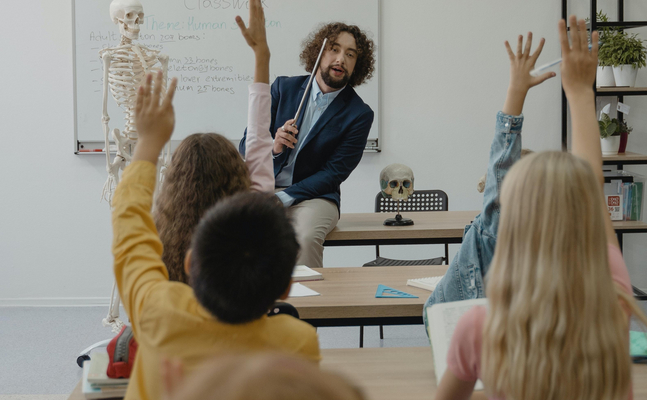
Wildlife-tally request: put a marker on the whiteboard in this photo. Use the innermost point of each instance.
(208, 55)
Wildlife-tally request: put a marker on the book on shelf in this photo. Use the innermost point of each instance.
(302, 273)
(442, 320)
(425, 283)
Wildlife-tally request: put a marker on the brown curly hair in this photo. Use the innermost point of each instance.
(365, 65)
(206, 167)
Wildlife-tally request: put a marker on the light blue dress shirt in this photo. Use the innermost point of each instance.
(317, 105)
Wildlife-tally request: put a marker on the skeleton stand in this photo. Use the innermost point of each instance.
(125, 66)
(398, 220)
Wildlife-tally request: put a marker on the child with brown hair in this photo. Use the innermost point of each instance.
(239, 264)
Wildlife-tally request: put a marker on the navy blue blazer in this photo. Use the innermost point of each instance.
(334, 146)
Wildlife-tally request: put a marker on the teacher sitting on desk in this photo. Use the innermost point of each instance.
(312, 159)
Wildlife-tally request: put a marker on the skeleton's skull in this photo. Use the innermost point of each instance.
(396, 181)
(128, 14)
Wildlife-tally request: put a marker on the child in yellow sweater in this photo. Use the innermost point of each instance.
(240, 261)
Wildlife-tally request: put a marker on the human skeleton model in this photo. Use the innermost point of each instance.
(124, 68)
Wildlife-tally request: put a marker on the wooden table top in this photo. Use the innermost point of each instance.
(350, 292)
(431, 224)
(399, 373)
(407, 373)
(427, 225)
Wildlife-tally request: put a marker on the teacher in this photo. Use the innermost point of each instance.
(314, 158)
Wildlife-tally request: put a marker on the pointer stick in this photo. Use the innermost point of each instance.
(305, 94)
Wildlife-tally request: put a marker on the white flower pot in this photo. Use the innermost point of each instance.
(625, 75)
(605, 77)
(610, 145)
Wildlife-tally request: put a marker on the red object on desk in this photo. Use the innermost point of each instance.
(122, 350)
(89, 150)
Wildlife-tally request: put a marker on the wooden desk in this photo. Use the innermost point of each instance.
(407, 373)
(348, 296)
(431, 227)
(399, 373)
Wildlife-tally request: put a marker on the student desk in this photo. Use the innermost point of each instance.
(407, 373)
(399, 373)
(348, 296)
(430, 227)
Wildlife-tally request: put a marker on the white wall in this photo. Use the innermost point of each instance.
(444, 74)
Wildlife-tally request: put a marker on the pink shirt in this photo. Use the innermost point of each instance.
(464, 356)
(259, 140)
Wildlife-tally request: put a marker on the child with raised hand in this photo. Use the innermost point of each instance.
(559, 293)
(206, 167)
(464, 278)
(240, 261)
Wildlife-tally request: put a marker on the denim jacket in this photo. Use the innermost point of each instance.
(464, 277)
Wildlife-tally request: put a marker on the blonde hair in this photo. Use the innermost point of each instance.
(555, 328)
(264, 376)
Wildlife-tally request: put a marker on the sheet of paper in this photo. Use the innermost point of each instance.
(443, 318)
(299, 290)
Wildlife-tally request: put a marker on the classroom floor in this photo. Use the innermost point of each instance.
(39, 346)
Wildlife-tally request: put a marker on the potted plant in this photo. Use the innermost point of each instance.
(626, 53)
(604, 77)
(623, 130)
(609, 136)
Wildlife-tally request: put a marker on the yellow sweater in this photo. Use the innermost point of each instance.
(166, 317)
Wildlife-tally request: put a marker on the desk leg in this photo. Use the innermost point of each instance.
(361, 336)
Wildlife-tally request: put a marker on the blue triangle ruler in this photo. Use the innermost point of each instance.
(386, 292)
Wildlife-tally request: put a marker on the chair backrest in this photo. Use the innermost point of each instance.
(420, 200)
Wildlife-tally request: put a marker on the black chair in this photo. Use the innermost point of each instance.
(283, 308)
(420, 200)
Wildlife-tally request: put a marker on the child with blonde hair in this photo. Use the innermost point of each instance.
(557, 322)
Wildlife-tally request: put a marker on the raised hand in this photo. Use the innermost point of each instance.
(285, 136)
(154, 118)
(578, 62)
(254, 34)
(522, 62)
(256, 39)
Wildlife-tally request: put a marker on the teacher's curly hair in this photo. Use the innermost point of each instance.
(365, 65)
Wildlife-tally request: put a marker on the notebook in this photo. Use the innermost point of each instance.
(302, 273)
(442, 320)
(100, 392)
(425, 283)
(97, 375)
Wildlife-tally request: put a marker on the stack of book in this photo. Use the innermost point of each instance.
(302, 273)
(96, 383)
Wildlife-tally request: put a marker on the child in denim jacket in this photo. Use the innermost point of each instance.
(464, 278)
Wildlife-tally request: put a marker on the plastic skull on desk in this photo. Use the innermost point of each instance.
(396, 182)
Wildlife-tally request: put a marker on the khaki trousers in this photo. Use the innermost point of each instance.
(312, 220)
